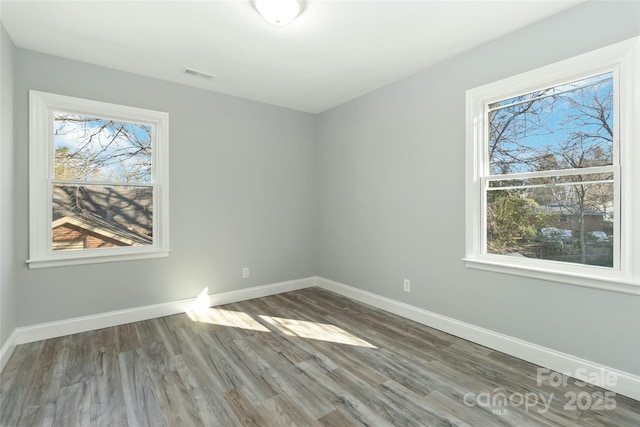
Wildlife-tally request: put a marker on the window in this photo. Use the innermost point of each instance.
(98, 188)
(552, 159)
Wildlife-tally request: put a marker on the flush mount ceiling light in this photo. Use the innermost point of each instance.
(278, 12)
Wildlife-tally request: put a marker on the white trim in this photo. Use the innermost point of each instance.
(76, 325)
(7, 348)
(105, 255)
(495, 264)
(624, 60)
(627, 384)
(41, 107)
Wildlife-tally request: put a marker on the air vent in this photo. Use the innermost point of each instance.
(200, 74)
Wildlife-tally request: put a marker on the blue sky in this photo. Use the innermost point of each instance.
(116, 151)
(548, 129)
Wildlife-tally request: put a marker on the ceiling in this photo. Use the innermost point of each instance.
(333, 52)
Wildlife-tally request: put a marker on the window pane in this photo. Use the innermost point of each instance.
(97, 149)
(556, 90)
(563, 127)
(570, 223)
(92, 216)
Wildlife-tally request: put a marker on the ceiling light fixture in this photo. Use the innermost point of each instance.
(278, 12)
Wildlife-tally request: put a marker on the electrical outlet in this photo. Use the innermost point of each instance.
(407, 285)
(245, 273)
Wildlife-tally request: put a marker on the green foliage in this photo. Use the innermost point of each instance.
(512, 218)
(68, 165)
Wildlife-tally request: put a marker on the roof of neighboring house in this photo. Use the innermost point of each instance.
(121, 213)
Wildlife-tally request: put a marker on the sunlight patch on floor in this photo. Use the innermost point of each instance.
(234, 319)
(315, 331)
(199, 311)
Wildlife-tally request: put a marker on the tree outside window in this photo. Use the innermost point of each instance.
(550, 192)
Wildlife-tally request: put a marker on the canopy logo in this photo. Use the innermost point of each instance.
(499, 400)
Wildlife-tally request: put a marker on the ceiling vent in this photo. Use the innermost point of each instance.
(200, 74)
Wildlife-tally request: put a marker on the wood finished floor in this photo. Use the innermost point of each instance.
(303, 358)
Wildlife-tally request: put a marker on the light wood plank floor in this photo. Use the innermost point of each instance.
(303, 358)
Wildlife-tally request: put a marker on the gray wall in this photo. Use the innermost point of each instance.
(392, 197)
(7, 284)
(243, 194)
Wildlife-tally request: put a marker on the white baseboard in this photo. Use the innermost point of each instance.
(623, 383)
(7, 349)
(76, 325)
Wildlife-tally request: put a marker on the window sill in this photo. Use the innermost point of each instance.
(63, 261)
(614, 284)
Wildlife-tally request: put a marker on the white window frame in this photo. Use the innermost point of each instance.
(621, 58)
(42, 105)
